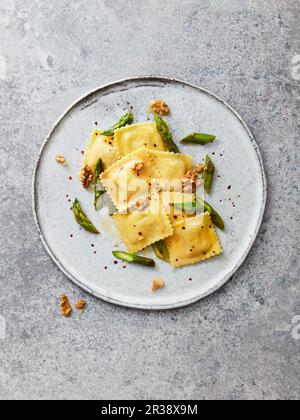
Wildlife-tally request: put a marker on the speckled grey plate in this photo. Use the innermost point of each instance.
(86, 259)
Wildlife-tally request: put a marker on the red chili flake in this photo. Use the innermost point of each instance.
(70, 178)
(82, 152)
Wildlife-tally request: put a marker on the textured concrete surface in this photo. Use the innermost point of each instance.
(237, 344)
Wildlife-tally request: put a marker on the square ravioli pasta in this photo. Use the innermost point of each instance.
(100, 147)
(133, 137)
(169, 200)
(139, 230)
(194, 240)
(127, 181)
(171, 167)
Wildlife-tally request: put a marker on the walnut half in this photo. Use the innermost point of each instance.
(81, 304)
(61, 160)
(138, 167)
(158, 106)
(86, 176)
(157, 284)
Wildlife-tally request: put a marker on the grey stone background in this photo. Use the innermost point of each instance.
(236, 344)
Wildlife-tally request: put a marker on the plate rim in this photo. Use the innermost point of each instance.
(184, 302)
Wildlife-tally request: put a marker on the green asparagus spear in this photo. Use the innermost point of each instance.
(198, 138)
(133, 258)
(208, 174)
(161, 251)
(82, 219)
(99, 191)
(127, 119)
(193, 207)
(164, 131)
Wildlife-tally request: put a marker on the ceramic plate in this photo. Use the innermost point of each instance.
(239, 194)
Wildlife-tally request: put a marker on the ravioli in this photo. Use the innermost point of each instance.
(135, 136)
(100, 147)
(139, 230)
(169, 199)
(126, 186)
(194, 240)
(171, 167)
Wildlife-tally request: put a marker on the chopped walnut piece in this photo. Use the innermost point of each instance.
(65, 306)
(80, 305)
(199, 168)
(86, 176)
(61, 160)
(157, 284)
(138, 167)
(158, 106)
(190, 179)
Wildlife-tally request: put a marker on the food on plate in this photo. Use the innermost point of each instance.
(98, 187)
(80, 306)
(65, 306)
(157, 284)
(82, 219)
(200, 205)
(61, 160)
(194, 240)
(161, 251)
(208, 174)
(132, 137)
(170, 166)
(198, 138)
(138, 230)
(123, 178)
(155, 191)
(166, 134)
(133, 258)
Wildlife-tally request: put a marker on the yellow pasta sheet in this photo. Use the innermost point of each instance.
(133, 137)
(139, 230)
(100, 147)
(194, 240)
